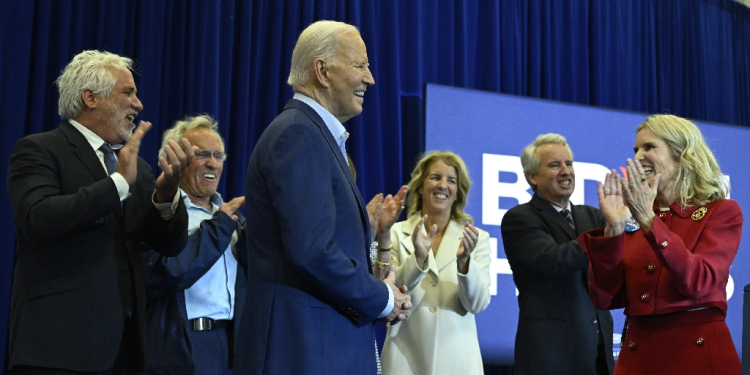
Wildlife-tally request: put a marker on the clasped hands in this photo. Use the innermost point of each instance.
(401, 300)
(620, 198)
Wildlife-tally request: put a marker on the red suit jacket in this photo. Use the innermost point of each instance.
(681, 264)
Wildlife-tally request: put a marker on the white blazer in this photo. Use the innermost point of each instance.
(440, 335)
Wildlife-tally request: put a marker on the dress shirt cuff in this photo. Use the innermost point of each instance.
(167, 209)
(123, 189)
(389, 306)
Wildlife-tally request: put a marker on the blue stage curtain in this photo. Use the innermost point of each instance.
(231, 59)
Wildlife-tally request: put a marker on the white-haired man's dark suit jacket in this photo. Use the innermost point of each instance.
(557, 323)
(78, 270)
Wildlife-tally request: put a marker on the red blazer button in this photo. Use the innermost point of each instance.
(700, 341)
(631, 345)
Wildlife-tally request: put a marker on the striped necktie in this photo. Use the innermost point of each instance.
(569, 217)
(109, 158)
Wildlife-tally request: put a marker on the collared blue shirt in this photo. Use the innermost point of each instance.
(334, 126)
(212, 296)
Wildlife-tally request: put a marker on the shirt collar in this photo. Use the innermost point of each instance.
(216, 201)
(94, 140)
(560, 209)
(334, 126)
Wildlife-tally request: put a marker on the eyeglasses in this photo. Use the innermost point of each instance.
(205, 154)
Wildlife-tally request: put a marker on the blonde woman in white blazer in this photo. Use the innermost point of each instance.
(445, 267)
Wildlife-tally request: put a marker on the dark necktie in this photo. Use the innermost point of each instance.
(109, 158)
(569, 217)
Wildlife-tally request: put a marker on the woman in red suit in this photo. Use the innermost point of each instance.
(665, 253)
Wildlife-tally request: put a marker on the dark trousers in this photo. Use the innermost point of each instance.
(211, 351)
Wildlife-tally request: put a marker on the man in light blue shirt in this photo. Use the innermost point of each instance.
(195, 296)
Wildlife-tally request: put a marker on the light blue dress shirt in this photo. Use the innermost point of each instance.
(212, 296)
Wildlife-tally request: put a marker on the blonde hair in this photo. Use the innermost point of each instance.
(319, 40)
(420, 174)
(699, 178)
(177, 131)
(530, 160)
(88, 70)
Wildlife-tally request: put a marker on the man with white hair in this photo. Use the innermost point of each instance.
(312, 298)
(559, 330)
(83, 204)
(195, 297)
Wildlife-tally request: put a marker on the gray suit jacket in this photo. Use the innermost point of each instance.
(557, 330)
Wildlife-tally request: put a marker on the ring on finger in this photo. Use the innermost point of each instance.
(643, 179)
(607, 193)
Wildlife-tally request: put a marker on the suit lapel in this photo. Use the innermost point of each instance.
(83, 150)
(448, 246)
(552, 216)
(315, 118)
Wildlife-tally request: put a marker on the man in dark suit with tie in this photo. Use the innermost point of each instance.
(81, 214)
(559, 331)
(312, 298)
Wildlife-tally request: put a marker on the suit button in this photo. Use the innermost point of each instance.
(433, 309)
(651, 268)
(663, 244)
(594, 321)
(644, 297)
(631, 345)
(124, 272)
(700, 341)
(434, 283)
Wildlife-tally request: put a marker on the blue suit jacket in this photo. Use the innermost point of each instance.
(311, 296)
(168, 343)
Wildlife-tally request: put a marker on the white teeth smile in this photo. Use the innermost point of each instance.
(441, 196)
(647, 170)
(359, 93)
(209, 176)
(565, 183)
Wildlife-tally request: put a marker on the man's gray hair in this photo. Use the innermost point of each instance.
(177, 131)
(530, 160)
(319, 40)
(88, 70)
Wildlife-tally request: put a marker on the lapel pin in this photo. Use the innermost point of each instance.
(699, 213)
(632, 225)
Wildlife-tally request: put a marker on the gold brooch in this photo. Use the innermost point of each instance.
(699, 213)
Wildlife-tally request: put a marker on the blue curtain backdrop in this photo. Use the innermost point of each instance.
(231, 59)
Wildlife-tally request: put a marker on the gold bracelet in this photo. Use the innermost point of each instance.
(381, 264)
(388, 249)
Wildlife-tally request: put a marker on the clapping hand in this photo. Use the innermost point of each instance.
(468, 244)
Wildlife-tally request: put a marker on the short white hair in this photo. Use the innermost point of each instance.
(88, 70)
(530, 160)
(319, 40)
(177, 131)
